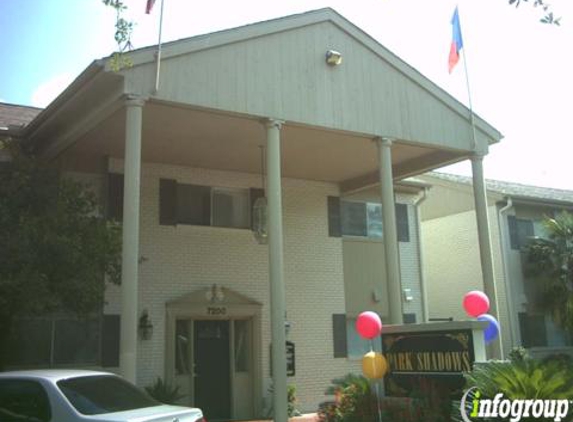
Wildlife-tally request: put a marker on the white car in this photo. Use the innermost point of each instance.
(80, 396)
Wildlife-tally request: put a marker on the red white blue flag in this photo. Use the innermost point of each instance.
(149, 6)
(457, 42)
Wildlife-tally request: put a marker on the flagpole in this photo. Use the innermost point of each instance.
(158, 53)
(472, 116)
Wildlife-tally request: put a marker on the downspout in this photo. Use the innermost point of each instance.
(503, 228)
(423, 289)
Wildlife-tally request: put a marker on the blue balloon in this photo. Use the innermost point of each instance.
(492, 329)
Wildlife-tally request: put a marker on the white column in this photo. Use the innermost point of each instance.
(276, 271)
(130, 249)
(484, 239)
(391, 251)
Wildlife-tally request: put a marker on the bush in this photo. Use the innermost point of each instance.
(523, 378)
(164, 392)
(356, 402)
(291, 402)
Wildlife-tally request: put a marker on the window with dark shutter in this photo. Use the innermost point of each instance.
(114, 206)
(167, 202)
(334, 223)
(402, 223)
(194, 205)
(204, 205)
(339, 335)
(363, 219)
(354, 218)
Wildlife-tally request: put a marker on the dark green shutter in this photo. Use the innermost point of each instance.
(110, 341)
(167, 202)
(114, 208)
(402, 227)
(339, 335)
(334, 221)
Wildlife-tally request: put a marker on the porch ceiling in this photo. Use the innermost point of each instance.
(199, 138)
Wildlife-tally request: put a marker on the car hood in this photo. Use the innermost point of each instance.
(162, 413)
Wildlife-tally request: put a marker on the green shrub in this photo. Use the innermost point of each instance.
(164, 392)
(355, 401)
(291, 401)
(523, 378)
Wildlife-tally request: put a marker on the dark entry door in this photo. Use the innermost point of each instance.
(212, 369)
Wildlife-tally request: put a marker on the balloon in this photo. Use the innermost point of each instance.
(374, 365)
(492, 329)
(368, 325)
(476, 303)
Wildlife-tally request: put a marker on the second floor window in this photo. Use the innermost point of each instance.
(204, 205)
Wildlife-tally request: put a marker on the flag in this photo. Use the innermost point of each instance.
(149, 6)
(457, 42)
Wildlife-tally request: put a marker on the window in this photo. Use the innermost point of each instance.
(230, 208)
(347, 341)
(94, 395)
(242, 345)
(363, 219)
(23, 400)
(520, 231)
(57, 341)
(357, 346)
(204, 205)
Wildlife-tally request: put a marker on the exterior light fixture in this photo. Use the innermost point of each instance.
(215, 294)
(333, 58)
(145, 327)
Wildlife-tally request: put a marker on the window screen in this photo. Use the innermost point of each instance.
(230, 208)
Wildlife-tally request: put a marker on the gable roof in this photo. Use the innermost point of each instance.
(513, 190)
(252, 31)
(17, 115)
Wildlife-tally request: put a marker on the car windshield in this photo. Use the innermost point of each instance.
(94, 395)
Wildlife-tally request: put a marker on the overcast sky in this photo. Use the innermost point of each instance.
(519, 69)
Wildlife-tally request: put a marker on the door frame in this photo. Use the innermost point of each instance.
(196, 306)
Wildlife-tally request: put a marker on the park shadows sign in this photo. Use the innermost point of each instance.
(437, 356)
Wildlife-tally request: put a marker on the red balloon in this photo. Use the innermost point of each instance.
(476, 303)
(368, 324)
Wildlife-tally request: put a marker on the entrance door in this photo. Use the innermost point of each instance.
(212, 384)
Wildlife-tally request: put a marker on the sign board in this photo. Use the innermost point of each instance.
(440, 356)
(290, 359)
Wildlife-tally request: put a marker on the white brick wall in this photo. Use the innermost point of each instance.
(186, 258)
(452, 264)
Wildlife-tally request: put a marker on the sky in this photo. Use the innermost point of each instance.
(519, 70)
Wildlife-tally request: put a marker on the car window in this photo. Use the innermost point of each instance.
(23, 400)
(94, 395)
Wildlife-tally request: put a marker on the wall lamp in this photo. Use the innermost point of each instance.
(145, 327)
(333, 58)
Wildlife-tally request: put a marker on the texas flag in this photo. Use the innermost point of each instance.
(457, 42)
(149, 6)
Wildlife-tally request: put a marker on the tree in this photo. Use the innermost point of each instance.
(122, 36)
(56, 248)
(548, 17)
(550, 262)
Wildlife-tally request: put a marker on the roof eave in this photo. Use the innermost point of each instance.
(89, 73)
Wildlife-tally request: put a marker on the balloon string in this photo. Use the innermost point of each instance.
(378, 403)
